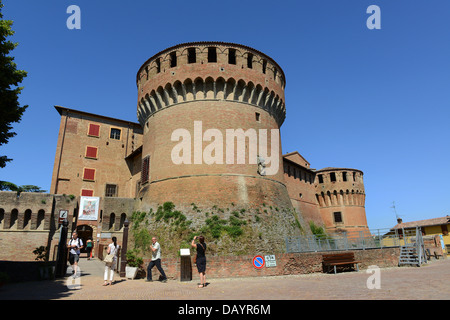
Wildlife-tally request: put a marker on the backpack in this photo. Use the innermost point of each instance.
(78, 242)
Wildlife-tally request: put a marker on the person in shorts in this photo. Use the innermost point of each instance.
(75, 245)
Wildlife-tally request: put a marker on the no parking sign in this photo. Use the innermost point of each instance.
(258, 262)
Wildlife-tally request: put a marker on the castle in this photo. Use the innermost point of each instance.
(130, 165)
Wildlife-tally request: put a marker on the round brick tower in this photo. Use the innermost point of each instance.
(341, 198)
(204, 89)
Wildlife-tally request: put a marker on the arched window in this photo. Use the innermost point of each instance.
(112, 220)
(2, 217)
(14, 216)
(40, 220)
(123, 217)
(27, 219)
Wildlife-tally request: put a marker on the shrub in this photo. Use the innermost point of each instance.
(133, 260)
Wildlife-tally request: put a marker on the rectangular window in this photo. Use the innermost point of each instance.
(91, 152)
(173, 59)
(333, 177)
(257, 116)
(337, 217)
(158, 65)
(232, 56)
(87, 193)
(111, 190)
(115, 134)
(264, 66)
(89, 174)
(249, 61)
(94, 130)
(344, 176)
(192, 58)
(145, 170)
(212, 55)
(320, 178)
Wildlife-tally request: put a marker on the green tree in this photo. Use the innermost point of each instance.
(9, 186)
(10, 77)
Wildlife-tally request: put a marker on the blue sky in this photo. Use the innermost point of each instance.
(375, 100)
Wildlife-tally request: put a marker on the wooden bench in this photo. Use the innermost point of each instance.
(339, 259)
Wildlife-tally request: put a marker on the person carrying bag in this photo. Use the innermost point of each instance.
(110, 262)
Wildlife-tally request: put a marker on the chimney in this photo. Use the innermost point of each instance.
(399, 220)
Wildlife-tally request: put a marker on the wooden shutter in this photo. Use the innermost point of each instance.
(91, 152)
(89, 174)
(94, 130)
(87, 193)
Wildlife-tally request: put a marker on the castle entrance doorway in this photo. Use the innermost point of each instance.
(84, 233)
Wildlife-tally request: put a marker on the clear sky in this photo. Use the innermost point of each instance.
(375, 100)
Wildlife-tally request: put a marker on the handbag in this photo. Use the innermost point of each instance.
(109, 259)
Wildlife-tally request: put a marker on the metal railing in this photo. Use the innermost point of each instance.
(353, 240)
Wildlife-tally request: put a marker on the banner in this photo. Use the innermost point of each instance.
(89, 207)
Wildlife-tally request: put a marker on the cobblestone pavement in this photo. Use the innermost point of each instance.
(429, 282)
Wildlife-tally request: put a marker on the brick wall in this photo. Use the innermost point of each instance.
(19, 245)
(287, 264)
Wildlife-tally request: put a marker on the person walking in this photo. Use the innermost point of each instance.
(201, 259)
(89, 247)
(75, 245)
(156, 261)
(109, 267)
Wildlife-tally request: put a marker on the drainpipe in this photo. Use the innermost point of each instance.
(60, 153)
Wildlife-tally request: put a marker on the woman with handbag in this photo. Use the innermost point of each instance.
(200, 259)
(110, 261)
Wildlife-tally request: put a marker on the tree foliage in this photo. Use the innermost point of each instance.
(9, 186)
(10, 77)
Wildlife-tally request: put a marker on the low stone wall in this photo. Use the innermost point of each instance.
(286, 264)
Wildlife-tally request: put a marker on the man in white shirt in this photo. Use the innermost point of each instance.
(156, 261)
(75, 244)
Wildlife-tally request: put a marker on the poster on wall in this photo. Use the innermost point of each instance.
(89, 208)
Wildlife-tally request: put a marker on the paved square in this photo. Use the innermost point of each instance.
(429, 282)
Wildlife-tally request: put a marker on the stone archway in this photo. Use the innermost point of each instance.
(85, 232)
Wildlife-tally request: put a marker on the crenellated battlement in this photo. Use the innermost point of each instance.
(339, 186)
(215, 71)
(219, 53)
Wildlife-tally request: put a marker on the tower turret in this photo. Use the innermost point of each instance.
(341, 197)
(211, 114)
